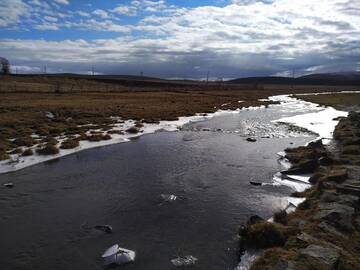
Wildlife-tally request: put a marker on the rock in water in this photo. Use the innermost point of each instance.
(104, 228)
(117, 255)
(9, 185)
(255, 183)
(251, 139)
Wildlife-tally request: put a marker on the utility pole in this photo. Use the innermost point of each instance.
(45, 69)
(207, 77)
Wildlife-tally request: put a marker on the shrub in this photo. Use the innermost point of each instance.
(69, 144)
(28, 152)
(263, 234)
(48, 150)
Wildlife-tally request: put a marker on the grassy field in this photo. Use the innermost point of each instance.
(339, 101)
(74, 102)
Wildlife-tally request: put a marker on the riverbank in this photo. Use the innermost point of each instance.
(317, 234)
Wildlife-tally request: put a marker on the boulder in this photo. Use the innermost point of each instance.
(328, 257)
(303, 167)
(305, 238)
(336, 214)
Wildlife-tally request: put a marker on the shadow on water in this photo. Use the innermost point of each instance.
(47, 219)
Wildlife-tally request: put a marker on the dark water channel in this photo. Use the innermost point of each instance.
(46, 219)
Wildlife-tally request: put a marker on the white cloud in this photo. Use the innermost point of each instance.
(83, 13)
(62, 2)
(50, 19)
(101, 13)
(272, 36)
(11, 12)
(126, 10)
(47, 26)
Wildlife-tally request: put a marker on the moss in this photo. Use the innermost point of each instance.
(69, 144)
(263, 234)
(48, 150)
(28, 152)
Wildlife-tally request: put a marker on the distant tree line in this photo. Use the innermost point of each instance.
(4, 66)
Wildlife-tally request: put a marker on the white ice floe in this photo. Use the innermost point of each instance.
(117, 255)
(298, 186)
(321, 122)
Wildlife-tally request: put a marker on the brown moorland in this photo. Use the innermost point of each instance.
(50, 106)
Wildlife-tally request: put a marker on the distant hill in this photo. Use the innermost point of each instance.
(344, 78)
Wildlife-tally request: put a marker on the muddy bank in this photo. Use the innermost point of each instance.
(324, 231)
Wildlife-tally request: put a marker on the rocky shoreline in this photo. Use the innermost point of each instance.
(324, 231)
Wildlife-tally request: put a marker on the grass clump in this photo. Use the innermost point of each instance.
(263, 234)
(69, 144)
(98, 137)
(4, 155)
(24, 141)
(281, 217)
(132, 130)
(28, 152)
(48, 150)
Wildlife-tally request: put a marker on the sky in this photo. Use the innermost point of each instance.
(181, 39)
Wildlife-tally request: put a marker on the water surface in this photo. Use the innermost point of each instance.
(46, 220)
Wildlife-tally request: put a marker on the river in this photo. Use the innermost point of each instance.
(47, 218)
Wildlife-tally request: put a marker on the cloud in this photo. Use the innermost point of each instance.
(11, 12)
(101, 13)
(239, 39)
(83, 13)
(47, 26)
(126, 10)
(62, 2)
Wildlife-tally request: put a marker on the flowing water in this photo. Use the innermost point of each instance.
(46, 220)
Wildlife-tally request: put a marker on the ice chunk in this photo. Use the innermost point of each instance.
(168, 197)
(117, 255)
(184, 261)
(50, 115)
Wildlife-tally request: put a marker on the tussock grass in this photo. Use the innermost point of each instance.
(48, 150)
(69, 144)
